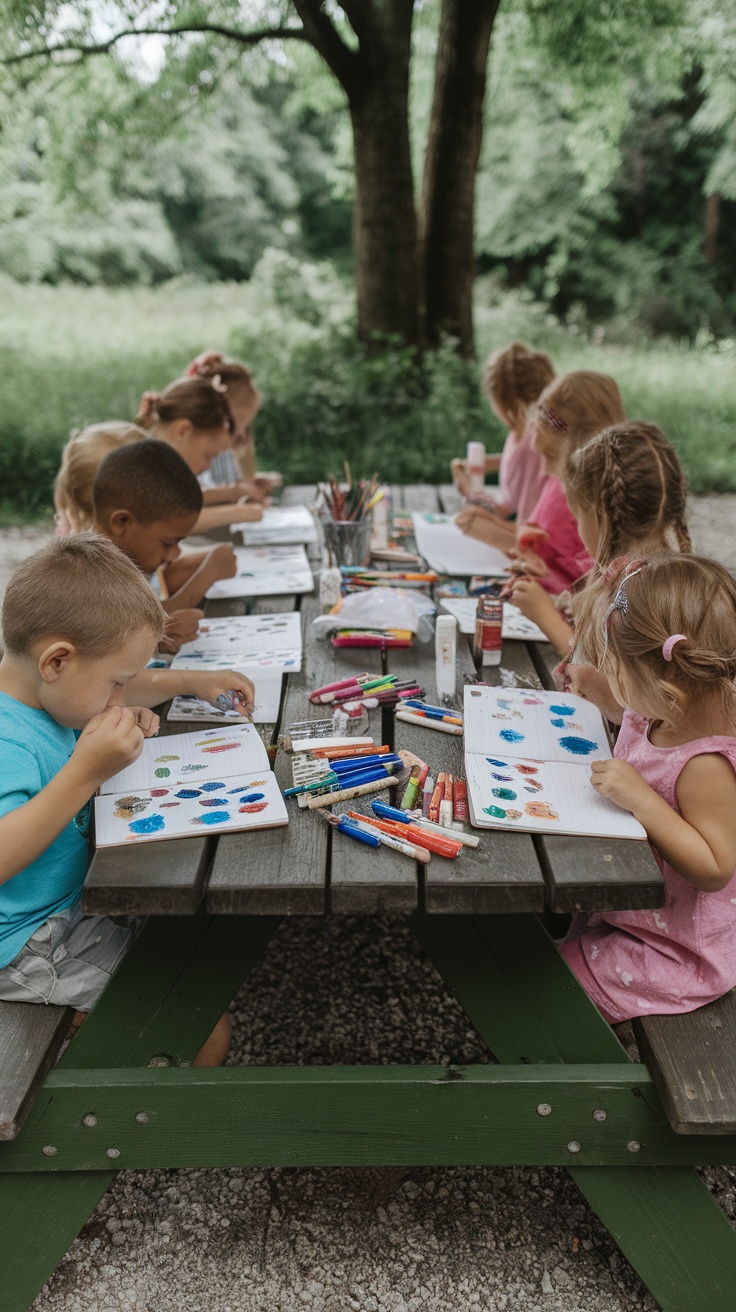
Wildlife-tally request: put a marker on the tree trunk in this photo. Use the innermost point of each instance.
(446, 224)
(711, 226)
(385, 221)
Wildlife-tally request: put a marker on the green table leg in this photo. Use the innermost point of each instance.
(163, 1002)
(527, 1005)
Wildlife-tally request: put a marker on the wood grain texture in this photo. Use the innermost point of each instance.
(30, 1039)
(692, 1059)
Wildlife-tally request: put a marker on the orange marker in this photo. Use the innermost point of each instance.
(436, 843)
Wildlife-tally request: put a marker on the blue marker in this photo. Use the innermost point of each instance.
(386, 812)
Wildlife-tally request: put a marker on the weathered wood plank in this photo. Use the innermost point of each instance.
(692, 1060)
(30, 1038)
(501, 874)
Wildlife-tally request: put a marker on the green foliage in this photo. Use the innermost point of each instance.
(74, 355)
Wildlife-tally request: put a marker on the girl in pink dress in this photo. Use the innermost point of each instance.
(669, 641)
(512, 381)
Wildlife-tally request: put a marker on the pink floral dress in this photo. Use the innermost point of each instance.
(675, 958)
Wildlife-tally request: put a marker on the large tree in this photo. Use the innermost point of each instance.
(413, 247)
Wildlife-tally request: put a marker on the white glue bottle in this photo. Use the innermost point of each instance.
(381, 513)
(445, 649)
(475, 460)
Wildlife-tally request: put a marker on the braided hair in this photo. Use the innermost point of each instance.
(514, 376)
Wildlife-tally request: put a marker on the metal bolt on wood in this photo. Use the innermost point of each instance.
(599, 1114)
(544, 1109)
(633, 1146)
(573, 1146)
(89, 1120)
(49, 1150)
(142, 1118)
(113, 1152)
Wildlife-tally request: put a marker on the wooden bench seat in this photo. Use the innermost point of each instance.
(31, 1036)
(692, 1060)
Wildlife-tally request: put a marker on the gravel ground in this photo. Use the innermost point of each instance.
(353, 991)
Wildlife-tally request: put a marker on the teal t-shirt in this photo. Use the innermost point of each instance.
(33, 748)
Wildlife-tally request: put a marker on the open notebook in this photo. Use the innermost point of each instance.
(266, 572)
(450, 551)
(527, 762)
(279, 526)
(246, 643)
(211, 780)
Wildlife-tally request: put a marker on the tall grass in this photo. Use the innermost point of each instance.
(73, 355)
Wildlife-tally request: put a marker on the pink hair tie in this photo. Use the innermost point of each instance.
(669, 643)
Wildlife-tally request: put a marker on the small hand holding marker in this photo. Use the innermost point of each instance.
(234, 700)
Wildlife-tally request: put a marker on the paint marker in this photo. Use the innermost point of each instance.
(461, 800)
(396, 844)
(344, 826)
(412, 789)
(427, 792)
(345, 794)
(386, 812)
(441, 846)
(437, 795)
(445, 816)
(426, 723)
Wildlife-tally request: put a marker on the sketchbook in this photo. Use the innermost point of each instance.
(279, 526)
(515, 625)
(215, 780)
(250, 644)
(450, 551)
(527, 763)
(265, 572)
(195, 710)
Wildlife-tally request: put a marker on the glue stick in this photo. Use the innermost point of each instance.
(445, 648)
(475, 461)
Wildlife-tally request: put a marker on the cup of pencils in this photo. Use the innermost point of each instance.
(347, 518)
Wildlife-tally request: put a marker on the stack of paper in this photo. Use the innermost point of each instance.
(266, 571)
(279, 526)
(450, 551)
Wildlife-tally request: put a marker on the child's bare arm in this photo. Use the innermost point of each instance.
(539, 607)
(109, 742)
(220, 516)
(486, 527)
(700, 842)
(151, 687)
(217, 563)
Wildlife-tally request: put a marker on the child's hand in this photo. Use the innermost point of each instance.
(619, 781)
(147, 720)
(528, 562)
(211, 684)
(246, 513)
(530, 537)
(181, 627)
(109, 742)
(460, 476)
(220, 563)
(533, 601)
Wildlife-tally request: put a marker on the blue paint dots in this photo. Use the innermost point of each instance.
(562, 710)
(253, 797)
(505, 794)
(503, 765)
(211, 818)
(148, 824)
(213, 801)
(511, 736)
(497, 812)
(558, 724)
(211, 787)
(189, 792)
(578, 746)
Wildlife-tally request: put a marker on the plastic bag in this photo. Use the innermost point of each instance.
(380, 608)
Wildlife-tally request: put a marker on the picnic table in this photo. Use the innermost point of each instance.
(564, 1091)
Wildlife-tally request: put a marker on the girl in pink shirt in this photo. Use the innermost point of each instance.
(669, 641)
(512, 381)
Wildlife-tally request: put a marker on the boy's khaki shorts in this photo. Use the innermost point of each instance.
(68, 961)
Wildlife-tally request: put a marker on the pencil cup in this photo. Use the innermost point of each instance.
(348, 541)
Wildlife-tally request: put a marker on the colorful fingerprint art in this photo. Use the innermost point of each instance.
(511, 736)
(148, 824)
(189, 792)
(211, 787)
(211, 818)
(578, 746)
(497, 812)
(161, 772)
(127, 807)
(505, 794)
(562, 710)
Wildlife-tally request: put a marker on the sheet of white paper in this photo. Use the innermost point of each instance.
(517, 793)
(279, 525)
(185, 758)
(247, 644)
(266, 710)
(266, 571)
(549, 726)
(250, 801)
(515, 625)
(450, 551)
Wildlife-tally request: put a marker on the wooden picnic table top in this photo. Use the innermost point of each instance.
(306, 869)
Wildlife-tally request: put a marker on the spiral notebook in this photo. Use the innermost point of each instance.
(527, 764)
(208, 781)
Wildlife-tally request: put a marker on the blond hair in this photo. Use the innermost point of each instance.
(630, 476)
(83, 589)
(576, 406)
(80, 460)
(514, 376)
(657, 598)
